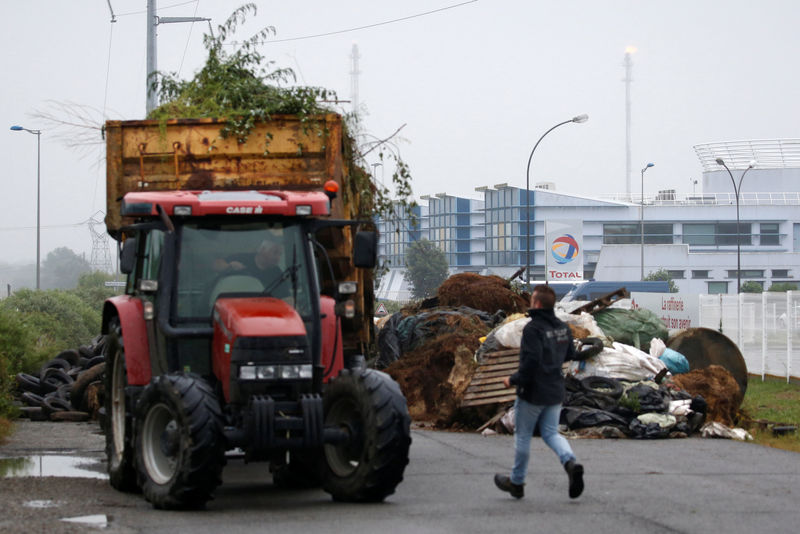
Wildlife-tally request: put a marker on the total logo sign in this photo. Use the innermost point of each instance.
(564, 239)
(564, 249)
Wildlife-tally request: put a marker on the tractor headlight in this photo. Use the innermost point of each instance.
(265, 372)
(247, 372)
(295, 371)
(273, 372)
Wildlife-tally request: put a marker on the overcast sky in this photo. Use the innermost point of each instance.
(475, 84)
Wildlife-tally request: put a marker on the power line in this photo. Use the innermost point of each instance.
(189, 37)
(401, 19)
(43, 227)
(159, 9)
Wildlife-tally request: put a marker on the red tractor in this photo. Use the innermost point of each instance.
(225, 341)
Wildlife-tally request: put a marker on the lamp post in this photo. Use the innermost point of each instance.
(737, 189)
(577, 119)
(38, 134)
(641, 219)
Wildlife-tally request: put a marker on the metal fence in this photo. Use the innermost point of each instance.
(765, 327)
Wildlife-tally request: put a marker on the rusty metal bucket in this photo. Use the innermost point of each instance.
(704, 347)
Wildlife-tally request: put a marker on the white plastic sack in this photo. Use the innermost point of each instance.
(662, 419)
(680, 407)
(510, 334)
(620, 361)
(657, 347)
(508, 420)
(718, 430)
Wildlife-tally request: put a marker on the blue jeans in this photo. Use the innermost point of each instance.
(526, 415)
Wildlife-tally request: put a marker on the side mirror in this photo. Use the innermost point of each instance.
(366, 250)
(127, 257)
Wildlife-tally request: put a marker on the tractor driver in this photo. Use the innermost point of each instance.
(262, 265)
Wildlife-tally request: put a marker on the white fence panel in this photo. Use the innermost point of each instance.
(765, 327)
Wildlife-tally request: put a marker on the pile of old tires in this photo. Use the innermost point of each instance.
(68, 388)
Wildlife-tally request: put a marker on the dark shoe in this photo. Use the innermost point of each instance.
(575, 472)
(504, 483)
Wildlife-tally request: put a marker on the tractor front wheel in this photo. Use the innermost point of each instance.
(370, 408)
(180, 445)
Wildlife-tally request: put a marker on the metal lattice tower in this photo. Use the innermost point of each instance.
(101, 253)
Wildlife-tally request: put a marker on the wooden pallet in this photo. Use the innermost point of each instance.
(602, 303)
(486, 386)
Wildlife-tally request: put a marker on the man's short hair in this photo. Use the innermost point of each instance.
(544, 295)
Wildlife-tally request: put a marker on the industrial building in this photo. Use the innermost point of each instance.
(692, 236)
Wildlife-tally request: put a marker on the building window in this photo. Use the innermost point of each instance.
(658, 233)
(747, 273)
(769, 234)
(719, 234)
(780, 273)
(716, 288)
(700, 274)
(726, 234)
(698, 234)
(676, 275)
(621, 234)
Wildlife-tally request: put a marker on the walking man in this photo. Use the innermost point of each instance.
(546, 344)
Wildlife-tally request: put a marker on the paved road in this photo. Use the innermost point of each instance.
(690, 485)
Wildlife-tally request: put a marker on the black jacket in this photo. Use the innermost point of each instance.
(546, 345)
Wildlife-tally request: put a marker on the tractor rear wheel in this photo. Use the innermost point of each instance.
(180, 445)
(369, 406)
(119, 416)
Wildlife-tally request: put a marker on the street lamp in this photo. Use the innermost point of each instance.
(641, 218)
(38, 134)
(577, 119)
(737, 190)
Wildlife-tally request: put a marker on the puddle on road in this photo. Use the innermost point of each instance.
(41, 504)
(52, 465)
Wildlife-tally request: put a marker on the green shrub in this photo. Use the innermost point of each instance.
(16, 341)
(56, 319)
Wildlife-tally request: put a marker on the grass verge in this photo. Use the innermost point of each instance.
(768, 404)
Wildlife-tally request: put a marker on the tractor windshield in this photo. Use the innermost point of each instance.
(240, 260)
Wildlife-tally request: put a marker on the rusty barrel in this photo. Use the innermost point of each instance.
(704, 346)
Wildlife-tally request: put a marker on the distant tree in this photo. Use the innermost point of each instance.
(752, 286)
(61, 269)
(92, 290)
(17, 276)
(783, 287)
(426, 268)
(663, 276)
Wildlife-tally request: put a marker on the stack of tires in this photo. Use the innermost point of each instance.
(68, 388)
